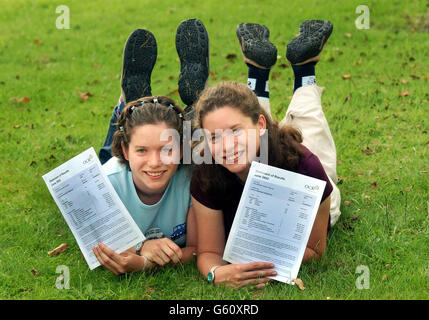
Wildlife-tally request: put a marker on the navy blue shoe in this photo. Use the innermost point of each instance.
(308, 45)
(192, 45)
(139, 58)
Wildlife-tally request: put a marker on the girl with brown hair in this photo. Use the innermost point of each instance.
(146, 169)
(241, 115)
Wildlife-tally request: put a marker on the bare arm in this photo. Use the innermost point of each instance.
(191, 236)
(211, 237)
(211, 244)
(158, 252)
(316, 244)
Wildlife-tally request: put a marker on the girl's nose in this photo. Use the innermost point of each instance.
(229, 142)
(154, 160)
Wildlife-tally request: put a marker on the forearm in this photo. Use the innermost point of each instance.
(140, 262)
(310, 254)
(188, 253)
(206, 260)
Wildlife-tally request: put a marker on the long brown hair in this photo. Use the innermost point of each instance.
(148, 110)
(283, 142)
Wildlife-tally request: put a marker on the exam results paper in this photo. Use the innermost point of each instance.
(274, 219)
(91, 206)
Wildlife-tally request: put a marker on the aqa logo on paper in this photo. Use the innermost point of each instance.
(88, 160)
(311, 188)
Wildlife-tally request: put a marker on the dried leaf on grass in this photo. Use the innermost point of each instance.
(58, 250)
(174, 92)
(231, 56)
(352, 218)
(299, 283)
(20, 100)
(84, 95)
(368, 151)
(34, 272)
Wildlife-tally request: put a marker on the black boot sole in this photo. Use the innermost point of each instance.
(139, 58)
(309, 43)
(192, 45)
(254, 43)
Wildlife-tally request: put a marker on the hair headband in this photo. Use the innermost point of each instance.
(154, 100)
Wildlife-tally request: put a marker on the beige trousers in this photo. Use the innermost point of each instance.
(305, 113)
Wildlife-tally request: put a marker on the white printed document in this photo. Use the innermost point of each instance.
(91, 207)
(274, 219)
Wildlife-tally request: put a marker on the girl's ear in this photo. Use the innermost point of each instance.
(262, 124)
(124, 151)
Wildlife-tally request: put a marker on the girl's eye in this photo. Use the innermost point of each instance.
(237, 131)
(141, 150)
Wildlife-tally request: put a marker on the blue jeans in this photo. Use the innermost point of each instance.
(106, 150)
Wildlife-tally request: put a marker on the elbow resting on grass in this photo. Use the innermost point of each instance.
(316, 244)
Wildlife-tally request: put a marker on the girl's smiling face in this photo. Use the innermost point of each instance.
(147, 155)
(234, 139)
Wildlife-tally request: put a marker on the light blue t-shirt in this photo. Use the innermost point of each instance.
(167, 217)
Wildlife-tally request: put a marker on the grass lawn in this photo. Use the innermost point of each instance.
(378, 117)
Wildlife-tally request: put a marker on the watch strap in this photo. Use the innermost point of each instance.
(211, 274)
(138, 247)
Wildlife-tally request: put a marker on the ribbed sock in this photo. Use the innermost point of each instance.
(305, 75)
(257, 80)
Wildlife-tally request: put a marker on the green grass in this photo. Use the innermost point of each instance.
(51, 66)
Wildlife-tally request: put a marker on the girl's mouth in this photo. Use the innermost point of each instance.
(234, 157)
(155, 175)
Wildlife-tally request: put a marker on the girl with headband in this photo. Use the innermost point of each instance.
(146, 169)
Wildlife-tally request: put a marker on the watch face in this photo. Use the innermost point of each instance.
(210, 276)
(138, 246)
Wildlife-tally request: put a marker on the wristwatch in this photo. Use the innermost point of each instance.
(138, 247)
(211, 275)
